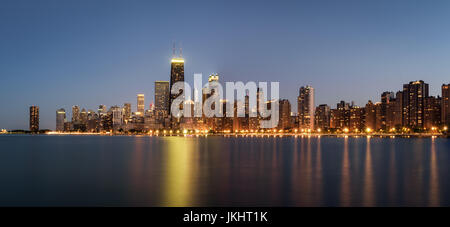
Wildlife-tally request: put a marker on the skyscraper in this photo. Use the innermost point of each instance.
(445, 105)
(322, 117)
(386, 99)
(285, 114)
(60, 119)
(102, 110)
(414, 95)
(83, 117)
(432, 112)
(117, 117)
(127, 110)
(356, 123)
(306, 108)
(370, 116)
(76, 114)
(140, 104)
(176, 75)
(34, 118)
(162, 97)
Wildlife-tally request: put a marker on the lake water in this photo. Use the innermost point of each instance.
(223, 171)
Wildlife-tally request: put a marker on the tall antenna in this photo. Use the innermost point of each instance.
(181, 51)
(173, 49)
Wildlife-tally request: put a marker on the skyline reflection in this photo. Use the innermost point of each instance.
(219, 171)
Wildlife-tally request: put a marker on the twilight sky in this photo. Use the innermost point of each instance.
(60, 53)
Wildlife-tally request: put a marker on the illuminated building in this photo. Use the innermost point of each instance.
(386, 99)
(343, 114)
(76, 114)
(356, 123)
(306, 108)
(370, 115)
(322, 117)
(127, 111)
(140, 104)
(284, 114)
(162, 96)
(432, 112)
(414, 95)
(394, 112)
(83, 117)
(176, 75)
(93, 121)
(378, 117)
(34, 118)
(334, 119)
(60, 119)
(102, 110)
(445, 105)
(117, 117)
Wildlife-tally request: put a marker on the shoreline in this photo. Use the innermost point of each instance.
(354, 135)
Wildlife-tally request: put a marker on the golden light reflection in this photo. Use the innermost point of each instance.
(180, 167)
(345, 182)
(434, 177)
(368, 193)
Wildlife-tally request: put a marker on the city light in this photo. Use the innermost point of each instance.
(177, 60)
(368, 130)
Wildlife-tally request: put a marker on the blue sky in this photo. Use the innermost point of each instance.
(56, 54)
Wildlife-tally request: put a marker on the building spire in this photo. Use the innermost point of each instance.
(181, 51)
(173, 49)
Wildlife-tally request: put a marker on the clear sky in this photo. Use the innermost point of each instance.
(60, 53)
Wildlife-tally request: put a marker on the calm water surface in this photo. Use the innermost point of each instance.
(223, 171)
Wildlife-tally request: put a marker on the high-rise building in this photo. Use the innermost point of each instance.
(370, 116)
(445, 105)
(378, 117)
(60, 119)
(414, 95)
(76, 115)
(117, 116)
(176, 75)
(432, 113)
(34, 118)
(162, 97)
(386, 99)
(102, 110)
(93, 121)
(343, 114)
(140, 104)
(306, 108)
(284, 114)
(322, 117)
(356, 119)
(127, 110)
(83, 117)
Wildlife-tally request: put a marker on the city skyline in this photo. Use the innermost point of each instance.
(56, 60)
(411, 109)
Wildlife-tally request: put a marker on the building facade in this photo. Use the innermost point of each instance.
(306, 108)
(60, 119)
(34, 118)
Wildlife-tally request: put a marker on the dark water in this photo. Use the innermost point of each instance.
(218, 171)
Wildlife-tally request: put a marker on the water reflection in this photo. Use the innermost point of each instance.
(434, 176)
(368, 191)
(345, 177)
(218, 171)
(179, 166)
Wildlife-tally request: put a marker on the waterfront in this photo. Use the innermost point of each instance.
(90, 170)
